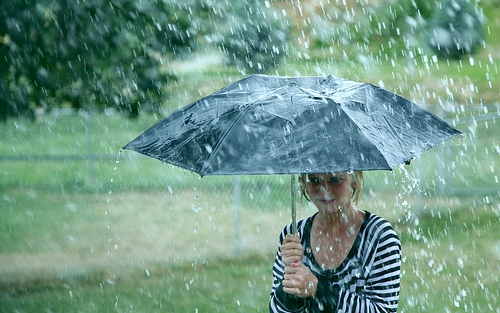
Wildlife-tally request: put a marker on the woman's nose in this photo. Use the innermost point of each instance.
(324, 188)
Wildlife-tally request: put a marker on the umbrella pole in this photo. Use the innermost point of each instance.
(294, 210)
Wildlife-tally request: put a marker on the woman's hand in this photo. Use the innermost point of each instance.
(299, 280)
(291, 250)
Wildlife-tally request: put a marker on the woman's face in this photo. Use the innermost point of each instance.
(330, 192)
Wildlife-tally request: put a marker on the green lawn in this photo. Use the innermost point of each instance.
(148, 251)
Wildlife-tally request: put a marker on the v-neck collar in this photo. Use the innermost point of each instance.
(352, 252)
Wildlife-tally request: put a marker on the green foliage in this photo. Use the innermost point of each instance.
(255, 39)
(456, 29)
(85, 54)
(368, 22)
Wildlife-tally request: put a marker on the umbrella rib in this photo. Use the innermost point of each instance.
(247, 106)
(362, 130)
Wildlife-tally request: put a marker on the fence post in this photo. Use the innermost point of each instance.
(90, 149)
(237, 209)
(418, 191)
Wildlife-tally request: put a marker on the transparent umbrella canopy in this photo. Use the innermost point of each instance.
(292, 125)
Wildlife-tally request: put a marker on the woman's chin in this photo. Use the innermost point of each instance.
(330, 208)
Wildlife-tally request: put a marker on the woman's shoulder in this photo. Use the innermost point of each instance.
(377, 225)
(371, 218)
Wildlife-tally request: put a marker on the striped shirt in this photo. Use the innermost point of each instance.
(366, 281)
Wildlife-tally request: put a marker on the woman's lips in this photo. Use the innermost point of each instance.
(325, 201)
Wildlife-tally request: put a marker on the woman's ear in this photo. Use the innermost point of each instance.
(305, 195)
(354, 183)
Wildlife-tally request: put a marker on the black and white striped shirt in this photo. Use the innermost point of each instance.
(366, 281)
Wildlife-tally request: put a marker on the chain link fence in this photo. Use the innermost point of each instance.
(463, 166)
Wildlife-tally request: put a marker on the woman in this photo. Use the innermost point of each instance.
(343, 259)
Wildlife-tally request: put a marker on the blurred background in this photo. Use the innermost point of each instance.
(87, 227)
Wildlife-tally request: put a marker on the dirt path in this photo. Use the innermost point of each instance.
(147, 228)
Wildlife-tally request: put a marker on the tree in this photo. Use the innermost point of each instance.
(456, 29)
(368, 25)
(254, 39)
(13, 89)
(89, 54)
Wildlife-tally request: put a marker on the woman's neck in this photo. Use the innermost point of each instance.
(340, 220)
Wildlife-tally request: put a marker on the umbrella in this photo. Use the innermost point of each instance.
(290, 125)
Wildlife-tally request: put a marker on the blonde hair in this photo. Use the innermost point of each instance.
(357, 178)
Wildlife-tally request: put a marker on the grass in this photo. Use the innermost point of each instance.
(451, 261)
(141, 263)
(117, 252)
(176, 288)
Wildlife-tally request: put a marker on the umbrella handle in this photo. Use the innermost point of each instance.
(294, 210)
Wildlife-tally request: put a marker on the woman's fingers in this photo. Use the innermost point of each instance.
(291, 249)
(299, 280)
(290, 256)
(291, 242)
(291, 238)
